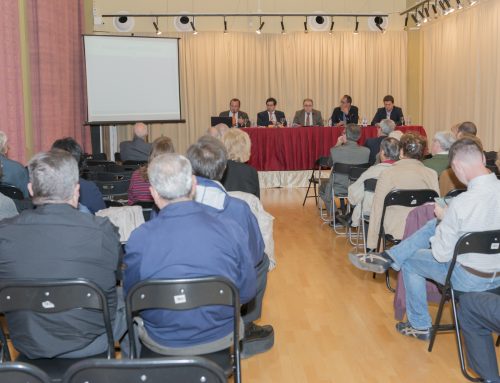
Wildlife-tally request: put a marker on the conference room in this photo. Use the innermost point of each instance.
(258, 191)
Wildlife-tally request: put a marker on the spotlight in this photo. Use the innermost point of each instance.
(357, 26)
(473, 2)
(406, 23)
(415, 19)
(427, 14)
(443, 8)
(434, 9)
(422, 17)
(155, 24)
(195, 32)
(261, 25)
(305, 26)
(283, 32)
(459, 5)
(450, 9)
(225, 25)
(331, 27)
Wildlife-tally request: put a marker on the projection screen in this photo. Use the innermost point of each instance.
(132, 79)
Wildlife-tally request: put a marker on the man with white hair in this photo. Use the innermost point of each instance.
(13, 172)
(137, 149)
(477, 209)
(186, 241)
(384, 128)
(54, 242)
(440, 146)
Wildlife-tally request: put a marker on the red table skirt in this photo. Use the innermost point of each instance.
(277, 149)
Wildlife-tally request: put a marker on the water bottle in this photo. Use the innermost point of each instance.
(364, 122)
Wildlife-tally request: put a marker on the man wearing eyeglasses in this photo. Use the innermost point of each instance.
(308, 116)
(346, 113)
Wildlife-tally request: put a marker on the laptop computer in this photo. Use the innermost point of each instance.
(221, 120)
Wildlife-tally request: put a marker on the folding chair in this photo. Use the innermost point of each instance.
(111, 189)
(14, 372)
(341, 169)
(166, 370)
(369, 186)
(485, 242)
(406, 198)
(354, 174)
(322, 163)
(187, 294)
(11, 192)
(49, 297)
(455, 192)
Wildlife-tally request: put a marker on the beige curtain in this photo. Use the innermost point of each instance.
(216, 67)
(461, 71)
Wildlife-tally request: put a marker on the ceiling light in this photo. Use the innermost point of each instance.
(261, 25)
(450, 9)
(422, 17)
(195, 32)
(415, 19)
(357, 26)
(459, 5)
(225, 25)
(427, 14)
(378, 23)
(283, 32)
(155, 24)
(331, 27)
(473, 2)
(434, 9)
(406, 23)
(305, 26)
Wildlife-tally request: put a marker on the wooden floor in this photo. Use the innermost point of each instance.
(332, 322)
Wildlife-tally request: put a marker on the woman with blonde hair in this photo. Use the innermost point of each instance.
(139, 182)
(239, 176)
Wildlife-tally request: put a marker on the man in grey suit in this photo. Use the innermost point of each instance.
(347, 151)
(308, 116)
(240, 118)
(137, 149)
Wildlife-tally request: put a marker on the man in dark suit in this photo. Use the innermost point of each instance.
(271, 116)
(240, 118)
(389, 111)
(308, 116)
(346, 113)
(137, 149)
(384, 128)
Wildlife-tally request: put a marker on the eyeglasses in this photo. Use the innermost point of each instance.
(344, 102)
(305, 105)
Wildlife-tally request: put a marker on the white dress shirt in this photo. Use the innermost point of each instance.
(308, 119)
(477, 209)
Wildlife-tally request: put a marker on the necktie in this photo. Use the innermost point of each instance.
(234, 119)
(308, 121)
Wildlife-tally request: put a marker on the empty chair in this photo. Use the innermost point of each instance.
(322, 163)
(165, 370)
(15, 372)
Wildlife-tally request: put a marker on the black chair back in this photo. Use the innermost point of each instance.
(356, 172)
(406, 198)
(48, 297)
(455, 192)
(113, 188)
(184, 294)
(15, 372)
(165, 370)
(341, 168)
(91, 162)
(134, 163)
(109, 176)
(114, 168)
(11, 192)
(370, 184)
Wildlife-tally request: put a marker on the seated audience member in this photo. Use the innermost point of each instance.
(384, 129)
(186, 241)
(55, 242)
(90, 195)
(208, 158)
(217, 131)
(308, 116)
(466, 127)
(271, 116)
(479, 315)
(239, 176)
(389, 153)
(407, 173)
(389, 111)
(240, 118)
(346, 113)
(8, 208)
(477, 209)
(139, 182)
(349, 152)
(137, 149)
(441, 143)
(13, 172)
(397, 134)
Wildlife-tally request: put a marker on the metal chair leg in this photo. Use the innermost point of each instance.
(388, 282)
(498, 341)
(436, 324)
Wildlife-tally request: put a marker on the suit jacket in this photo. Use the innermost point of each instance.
(263, 117)
(374, 145)
(56, 241)
(135, 150)
(404, 174)
(241, 114)
(241, 177)
(352, 116)
(381, 114)
(300, 118)
(14, 174)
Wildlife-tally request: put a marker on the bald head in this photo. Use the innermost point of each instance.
(140, 130)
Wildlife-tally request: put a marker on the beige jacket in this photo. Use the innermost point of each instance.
(404, 174)
(356, 191)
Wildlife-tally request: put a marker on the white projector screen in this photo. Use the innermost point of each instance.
(132, 79)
